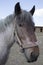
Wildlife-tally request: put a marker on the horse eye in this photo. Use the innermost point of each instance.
(20, 25)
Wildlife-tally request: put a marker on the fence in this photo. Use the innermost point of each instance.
(38, 29)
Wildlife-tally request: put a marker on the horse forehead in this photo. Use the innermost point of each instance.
(27, 17)
(24, 17)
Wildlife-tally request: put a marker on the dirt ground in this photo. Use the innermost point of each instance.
(17, 58)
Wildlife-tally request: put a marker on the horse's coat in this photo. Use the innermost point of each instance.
(8, 27)
(6, 37)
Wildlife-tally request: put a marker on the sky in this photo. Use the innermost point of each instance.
(7, 8)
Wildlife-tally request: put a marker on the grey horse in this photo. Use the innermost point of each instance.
(18, 27)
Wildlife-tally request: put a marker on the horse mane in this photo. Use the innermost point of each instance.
(6, 22)
(8, 19)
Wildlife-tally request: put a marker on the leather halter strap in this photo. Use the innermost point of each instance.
(20, 42)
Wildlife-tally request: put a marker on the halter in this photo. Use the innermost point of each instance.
(19, 42)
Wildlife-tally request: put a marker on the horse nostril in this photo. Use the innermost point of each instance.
(33, 56)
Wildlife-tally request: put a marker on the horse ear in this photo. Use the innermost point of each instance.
(32, 10)
(17, 8)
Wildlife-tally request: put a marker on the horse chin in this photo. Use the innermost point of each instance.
(30, 50)
(28, 57)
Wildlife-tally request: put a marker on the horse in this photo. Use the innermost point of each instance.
(18, 27)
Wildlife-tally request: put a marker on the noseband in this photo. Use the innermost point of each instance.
(19, 42)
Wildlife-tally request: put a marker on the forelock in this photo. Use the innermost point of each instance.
(27, 17)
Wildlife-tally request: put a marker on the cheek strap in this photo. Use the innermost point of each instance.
(23, 46)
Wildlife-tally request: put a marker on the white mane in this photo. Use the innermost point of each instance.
(5, 22)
